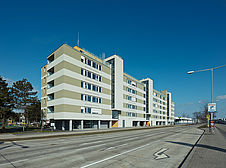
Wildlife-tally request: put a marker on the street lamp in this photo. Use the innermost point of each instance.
(210, 69)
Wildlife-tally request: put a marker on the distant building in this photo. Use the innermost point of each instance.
(80, 90)
(184, 120)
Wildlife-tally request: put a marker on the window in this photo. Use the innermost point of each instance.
(81, 96)
(94, 65)
(128, 114)
(100, 67)
(89, 74)
(94, 76)
(129, 97)
(129, 81)
(81, 71)
(99, 89)
(134, 114)
(95, 99)
(89, 98)
(89, 62)
(82, 58)
(81, 84)
(100, 78)
(88, 110)
(134, 107)
(89, 86)
(86, 85)
(99, 100)
(82, 109)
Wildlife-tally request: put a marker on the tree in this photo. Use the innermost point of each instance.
(23, 94)
(33, 111)
(201, 115)
(6, 102)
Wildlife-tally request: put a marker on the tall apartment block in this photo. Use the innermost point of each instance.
(80, 90)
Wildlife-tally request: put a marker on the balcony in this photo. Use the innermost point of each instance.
(50, 84)
(50, 97)
(50, 109)
(50, 71)
(50, 59)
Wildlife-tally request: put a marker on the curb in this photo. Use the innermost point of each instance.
(181, 164)
(79, 134)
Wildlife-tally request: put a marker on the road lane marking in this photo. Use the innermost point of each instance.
(113, 147)
(160, 154)
(131, 150)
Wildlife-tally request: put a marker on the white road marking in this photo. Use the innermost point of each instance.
(113, 147)
(91, 164)
(13, 162)
(160, 154)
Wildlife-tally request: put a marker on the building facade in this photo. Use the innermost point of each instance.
(80, 90)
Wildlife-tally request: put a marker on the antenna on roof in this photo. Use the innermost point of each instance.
(78, 40)
(103, 56)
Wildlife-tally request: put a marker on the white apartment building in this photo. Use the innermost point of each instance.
(80, 90)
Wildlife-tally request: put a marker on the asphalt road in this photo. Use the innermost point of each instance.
(141, 148)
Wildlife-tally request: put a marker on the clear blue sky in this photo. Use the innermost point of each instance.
(158, 39)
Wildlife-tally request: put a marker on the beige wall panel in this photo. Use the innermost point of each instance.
(44, 102)
(67, 94)
(106, 91)
(140, 94)
(106, 112)
(123, 113)
(106, 69)
(105, 80)
(68, 80)
(124, 105)
(140, 101)
(140, 108)
(75, 82)
(59, 52)
(67, 65)
(67, 108)
(124, 79)
(140, 86)
(140, 115)
(43, 93)
(75, 95)
(42, 71)
(106, 101)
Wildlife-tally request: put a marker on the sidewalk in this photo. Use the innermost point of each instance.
(41, 135)
(210, 152)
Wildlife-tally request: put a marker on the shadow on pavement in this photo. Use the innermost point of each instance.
(200, 145)
(12, 144)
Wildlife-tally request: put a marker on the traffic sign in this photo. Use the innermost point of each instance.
(212, 107)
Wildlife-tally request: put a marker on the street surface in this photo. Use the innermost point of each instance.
(140, 148)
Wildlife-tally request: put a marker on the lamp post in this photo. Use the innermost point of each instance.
(210, 69)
